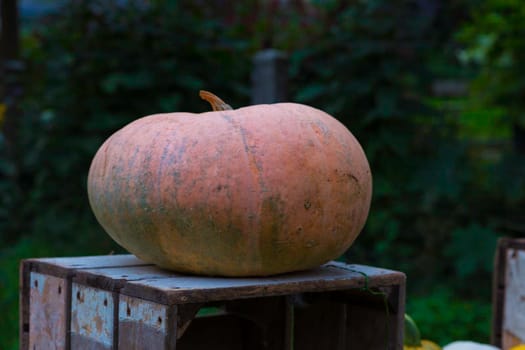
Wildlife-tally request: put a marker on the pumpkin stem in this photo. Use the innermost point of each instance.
(216, 103)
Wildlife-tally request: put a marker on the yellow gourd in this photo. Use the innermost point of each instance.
(425, 345)
(518, 347)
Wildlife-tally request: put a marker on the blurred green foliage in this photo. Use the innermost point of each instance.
(493, 41)
(453, 318)
(447, 182)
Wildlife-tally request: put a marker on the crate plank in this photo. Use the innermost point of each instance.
(47, 324)
(23, 305)
(64, 266)
(508, 293)
(114, 278)
(185, 315)
(145, 325)
(180, 289)
(514, 308)
(92, 318)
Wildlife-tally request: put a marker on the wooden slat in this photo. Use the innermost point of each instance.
(145, 325)
(397, 316)
(23, 318)
(514, 308)
(185, 315)
(180, 289)
(498, 292)
(63, 267)
(92, 318)
(114, 278)
(502, 330)
(47, 320)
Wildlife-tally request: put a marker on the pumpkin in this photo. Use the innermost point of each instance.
(255, 191)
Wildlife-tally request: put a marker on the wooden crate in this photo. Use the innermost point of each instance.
(120, 302)
(508, 323)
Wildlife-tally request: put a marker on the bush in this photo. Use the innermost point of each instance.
(443, 317)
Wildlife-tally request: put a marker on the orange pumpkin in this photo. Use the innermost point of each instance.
(259, 190)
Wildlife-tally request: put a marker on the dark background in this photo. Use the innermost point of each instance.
(434, 91)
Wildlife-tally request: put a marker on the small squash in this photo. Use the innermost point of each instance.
(259, 190)
(413, 341)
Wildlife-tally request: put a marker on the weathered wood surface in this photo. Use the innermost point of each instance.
(180, 289)
(92, 318)
(185, 315)
(64, 268)
(514, 309)
(151, 283)
(48, 316)
(509, 294)
(115, 278)
(146, 325)
(120, 302)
